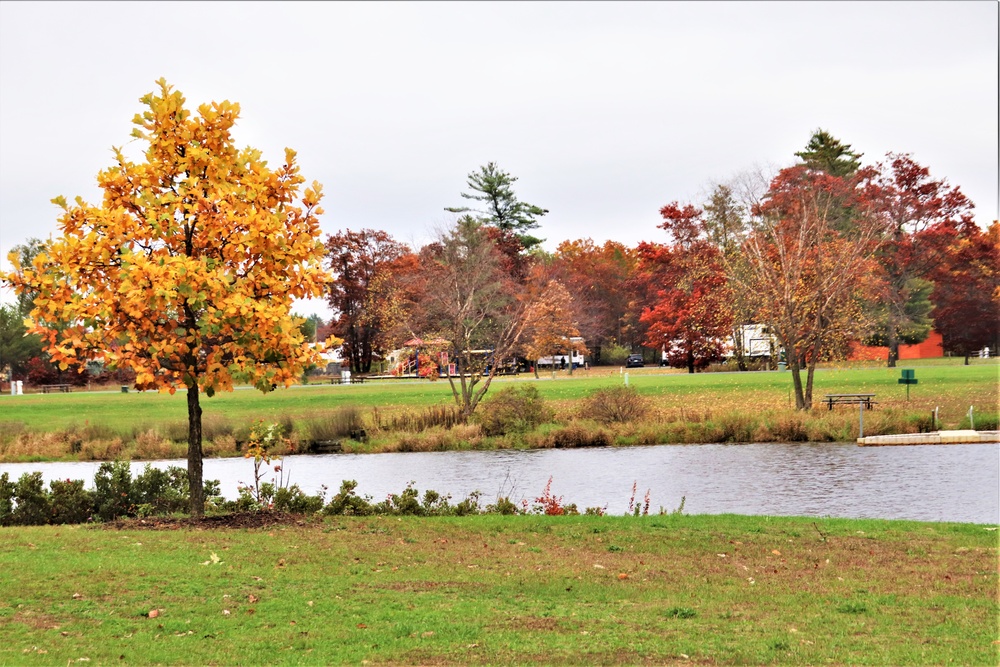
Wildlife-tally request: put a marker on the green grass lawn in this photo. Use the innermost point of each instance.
(953, 387)
(710, 590)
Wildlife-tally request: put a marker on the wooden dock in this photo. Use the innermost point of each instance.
(936, 438)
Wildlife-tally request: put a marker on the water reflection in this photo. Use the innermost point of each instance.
(927, 482)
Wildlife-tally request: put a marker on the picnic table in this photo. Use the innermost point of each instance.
(866, 400)
(46, 388)
(356, 379)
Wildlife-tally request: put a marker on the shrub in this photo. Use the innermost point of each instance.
(291, 499)
(547, 503)
(113, 484)
(161, 491)
(32, 503)
(504, 506)
(615, 404)
(513, 410)
(347, 502)
(614, 355)
(6, 500)
(70, 502)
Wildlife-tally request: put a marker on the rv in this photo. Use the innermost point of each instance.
(575, 357)
(758, 342)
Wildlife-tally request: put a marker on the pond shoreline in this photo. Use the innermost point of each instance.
(922, 483)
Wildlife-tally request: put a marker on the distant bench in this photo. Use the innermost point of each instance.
(867, 400)
(353, 380)
(46, 388)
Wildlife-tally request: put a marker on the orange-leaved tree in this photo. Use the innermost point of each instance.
(187, 270)
(549, 326)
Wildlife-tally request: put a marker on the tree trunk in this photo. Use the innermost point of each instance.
(535, 368)
(195, 481)
(807, 397)
(690, 361)
(793, 366)
(893, 347)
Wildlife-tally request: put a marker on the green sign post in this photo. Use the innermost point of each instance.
(909, 377)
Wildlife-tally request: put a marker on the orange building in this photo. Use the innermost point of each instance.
(931, 348)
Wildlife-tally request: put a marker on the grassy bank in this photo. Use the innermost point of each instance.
(403, 416)
(504, 590)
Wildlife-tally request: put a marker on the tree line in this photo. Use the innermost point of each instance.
(827, 252)
(185, 275)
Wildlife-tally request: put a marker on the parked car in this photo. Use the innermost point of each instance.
(634, 361)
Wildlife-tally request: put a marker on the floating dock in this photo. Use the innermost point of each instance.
(965, 437)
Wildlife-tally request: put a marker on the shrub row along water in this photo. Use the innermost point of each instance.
(154, 492)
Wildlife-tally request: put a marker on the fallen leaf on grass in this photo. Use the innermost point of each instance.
(153, 613)
(252, 598)
(623, 576)
(775, 552)
(77, 596)
(212, 560)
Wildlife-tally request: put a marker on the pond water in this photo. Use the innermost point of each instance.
(926, 482)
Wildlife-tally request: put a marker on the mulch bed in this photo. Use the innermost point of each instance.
(238, 520)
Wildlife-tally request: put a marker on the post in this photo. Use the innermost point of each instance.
(861, 420)
(972, 425)
(626, 379)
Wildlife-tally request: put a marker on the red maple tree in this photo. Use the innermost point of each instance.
(685, 287)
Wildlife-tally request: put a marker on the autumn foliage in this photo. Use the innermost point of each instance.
(186, 272)
(685, 285)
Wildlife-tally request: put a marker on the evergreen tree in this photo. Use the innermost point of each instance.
(824, 152)
(502, 209)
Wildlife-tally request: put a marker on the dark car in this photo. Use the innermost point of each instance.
(634, 361)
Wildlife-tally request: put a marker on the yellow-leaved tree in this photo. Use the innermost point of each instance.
(186, 272)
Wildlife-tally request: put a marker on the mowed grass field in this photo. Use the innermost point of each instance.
(952, 387)
(491, 590)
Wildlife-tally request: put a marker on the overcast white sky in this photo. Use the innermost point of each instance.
(603, 111)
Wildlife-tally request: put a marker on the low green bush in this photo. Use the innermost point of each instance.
(513, 410)
(69, 502)
(32, 503)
